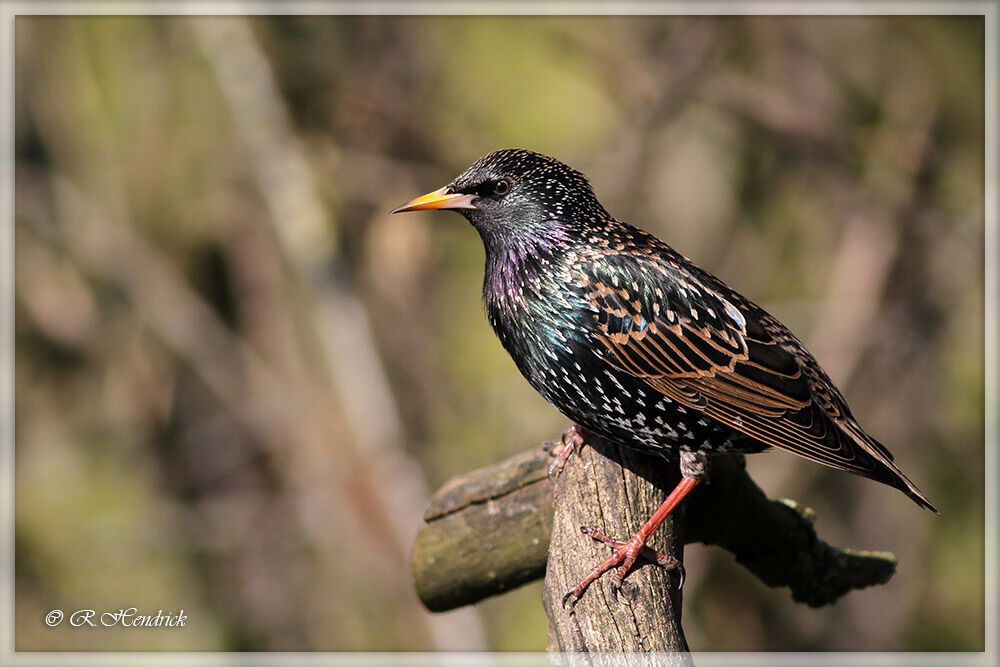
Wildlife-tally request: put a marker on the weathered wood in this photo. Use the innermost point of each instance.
(616, 498)
(486, 532)
(489, 531)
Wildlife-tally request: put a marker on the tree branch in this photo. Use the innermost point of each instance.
(489, 531)
(485, 533)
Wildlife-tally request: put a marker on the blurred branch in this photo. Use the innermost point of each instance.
(304, 232)
(869, 251)
(111, 250)
(659, 90)
(488, 531)
(856, 281)
(777, 111)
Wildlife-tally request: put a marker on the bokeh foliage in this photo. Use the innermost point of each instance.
(237, 377)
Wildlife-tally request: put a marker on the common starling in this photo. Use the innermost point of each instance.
(633, 342)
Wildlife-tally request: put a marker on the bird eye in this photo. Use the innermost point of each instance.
(501, 187)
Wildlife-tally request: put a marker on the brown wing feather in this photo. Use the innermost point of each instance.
(680, 332)
(730, 366)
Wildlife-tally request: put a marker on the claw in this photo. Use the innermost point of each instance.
(572, 439)
(556, 464)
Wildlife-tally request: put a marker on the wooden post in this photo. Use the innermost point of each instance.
(493, 529)
(616, 498)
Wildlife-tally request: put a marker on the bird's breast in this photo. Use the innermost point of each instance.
(534, 311)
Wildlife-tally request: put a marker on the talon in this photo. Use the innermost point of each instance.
(619, 578)
(569, 596)
(572, 439)
(613, 591)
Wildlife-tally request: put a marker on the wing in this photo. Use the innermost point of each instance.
(691, 338)
(688, 341)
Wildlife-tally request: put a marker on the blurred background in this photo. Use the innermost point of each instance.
(238, 379)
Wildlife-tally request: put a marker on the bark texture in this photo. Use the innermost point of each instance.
(494, 529)
(616, 498)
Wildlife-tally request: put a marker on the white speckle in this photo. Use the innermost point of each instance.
(736, 315)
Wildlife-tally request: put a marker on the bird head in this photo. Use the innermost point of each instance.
(515, 193)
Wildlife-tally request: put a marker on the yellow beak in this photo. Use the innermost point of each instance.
(435, 200)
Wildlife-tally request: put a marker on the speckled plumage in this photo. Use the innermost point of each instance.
(632, 341)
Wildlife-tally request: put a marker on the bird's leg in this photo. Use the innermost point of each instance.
(572, 440)
(693, 466)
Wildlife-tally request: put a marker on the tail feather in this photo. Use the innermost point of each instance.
(903, 483)
(886, 471)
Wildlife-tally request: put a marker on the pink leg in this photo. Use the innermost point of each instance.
(572, 440)
(626, 552)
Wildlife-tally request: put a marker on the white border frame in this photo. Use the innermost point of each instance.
(9, 10)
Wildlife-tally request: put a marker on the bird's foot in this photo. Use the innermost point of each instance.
(625, 555)
(653, 556)
(572, 440)
(626, 552)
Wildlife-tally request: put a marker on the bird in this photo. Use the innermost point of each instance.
(633, 342)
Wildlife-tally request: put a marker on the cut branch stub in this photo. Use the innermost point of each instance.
(491, 533)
